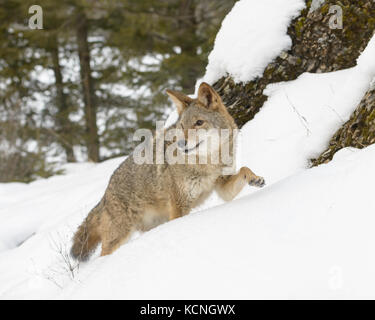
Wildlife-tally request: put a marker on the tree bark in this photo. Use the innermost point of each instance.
(315, 48)
(187, 25)
(358, 131)
(89, 99)
(62, 117)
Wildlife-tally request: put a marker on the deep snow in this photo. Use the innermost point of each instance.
(308, 236)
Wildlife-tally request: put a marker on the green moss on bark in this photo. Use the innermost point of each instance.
(358, 132)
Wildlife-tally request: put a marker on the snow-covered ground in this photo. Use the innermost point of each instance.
(307, 234)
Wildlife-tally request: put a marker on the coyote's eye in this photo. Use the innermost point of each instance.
(199, 122)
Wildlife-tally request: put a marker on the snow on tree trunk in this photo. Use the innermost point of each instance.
(358, 131)
(316, 48)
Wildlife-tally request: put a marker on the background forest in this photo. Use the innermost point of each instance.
(78, 88)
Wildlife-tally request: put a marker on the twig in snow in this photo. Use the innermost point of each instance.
(301, 118)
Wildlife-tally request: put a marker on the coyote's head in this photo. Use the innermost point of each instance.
(204, 122)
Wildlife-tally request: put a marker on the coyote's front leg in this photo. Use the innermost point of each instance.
(229, 186)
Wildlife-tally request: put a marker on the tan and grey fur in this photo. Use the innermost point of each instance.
(140, 197)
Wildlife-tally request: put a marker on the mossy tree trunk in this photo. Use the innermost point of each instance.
(358, 131)
(315, 48)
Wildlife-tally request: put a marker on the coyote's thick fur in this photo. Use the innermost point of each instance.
(142, 196)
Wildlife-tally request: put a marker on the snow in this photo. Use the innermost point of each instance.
(252, 35)
(307, 234)
(366, 61)
(316, 4)
(298, 120)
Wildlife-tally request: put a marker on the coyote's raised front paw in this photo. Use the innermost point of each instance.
(257, 182)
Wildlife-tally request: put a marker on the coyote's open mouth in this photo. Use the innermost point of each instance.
(193, 148)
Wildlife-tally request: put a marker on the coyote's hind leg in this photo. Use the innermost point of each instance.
(114, 231)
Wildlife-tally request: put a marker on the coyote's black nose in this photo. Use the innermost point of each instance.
(181, 143)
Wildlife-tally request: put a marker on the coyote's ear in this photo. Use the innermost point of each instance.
(208, 97)
(179, 99)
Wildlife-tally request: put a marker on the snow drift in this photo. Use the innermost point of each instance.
(308, 236)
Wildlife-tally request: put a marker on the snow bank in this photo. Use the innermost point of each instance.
(37, 222)
(309, 236)
(299, 117)
(252, 35)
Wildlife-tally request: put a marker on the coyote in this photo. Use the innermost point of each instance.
(142, 196)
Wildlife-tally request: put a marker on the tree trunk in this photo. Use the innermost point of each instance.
(187, 25)
(62, 117)
(358, 132)
(92, 139)
(315, 48)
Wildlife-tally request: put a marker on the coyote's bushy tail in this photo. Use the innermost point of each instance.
(87, 237)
